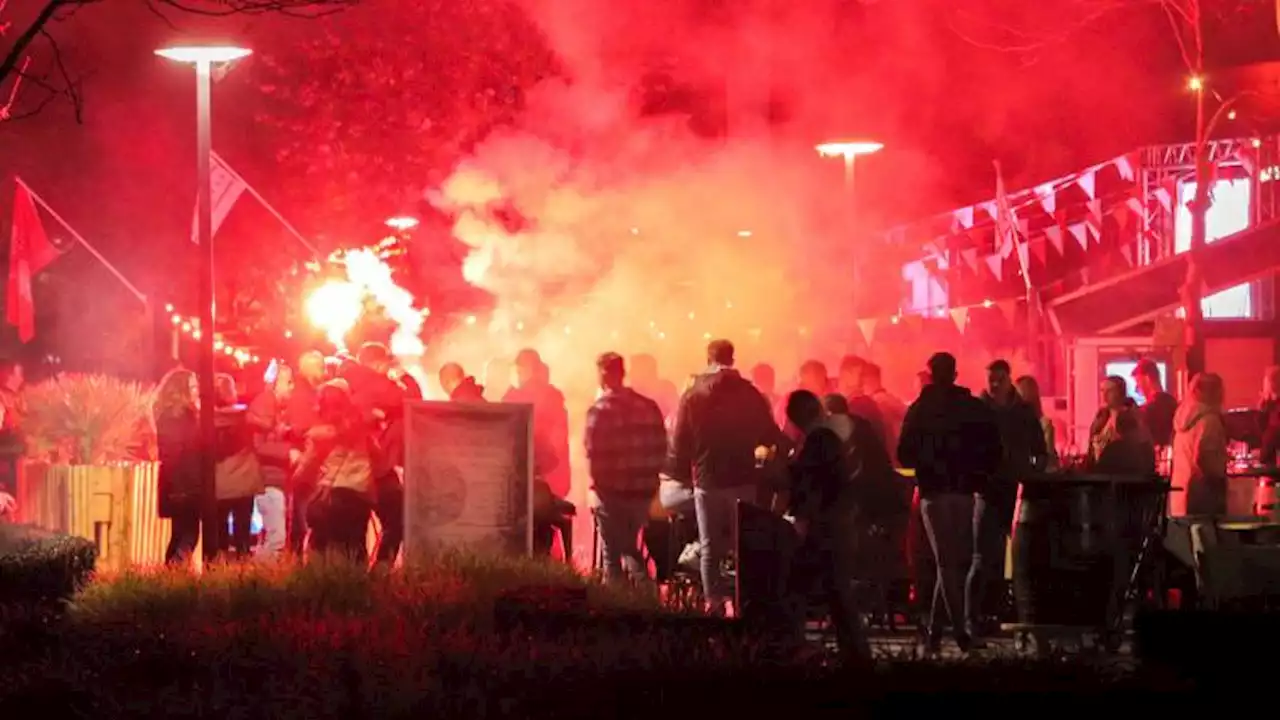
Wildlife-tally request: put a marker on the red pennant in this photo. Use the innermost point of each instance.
(970, 257)
(995, 263)
(913, 323)
(1008, 309)
(1121, 215)
(1024, 262)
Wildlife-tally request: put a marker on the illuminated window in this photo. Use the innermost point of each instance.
(1228, 215)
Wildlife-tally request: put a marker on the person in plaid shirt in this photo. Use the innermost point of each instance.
(626, 447)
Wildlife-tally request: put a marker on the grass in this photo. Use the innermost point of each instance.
(452, 636)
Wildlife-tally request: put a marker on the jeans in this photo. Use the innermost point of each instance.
(271, 506)
(992, 519)
(948, 523)
(390, 512)
(184, 533)
(621, 517)
(822, 569)
(717, 510)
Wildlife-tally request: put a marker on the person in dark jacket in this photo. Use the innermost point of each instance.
(276, 457)
(951, 440)
(1158, 406)
(380, 400)
(237, 476)
(1269, 416)
(179, 452)
(825, 499)
(1023, 451)
(721, 422)
(851, 383)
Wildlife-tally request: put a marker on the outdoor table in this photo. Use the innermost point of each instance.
(1078, 539)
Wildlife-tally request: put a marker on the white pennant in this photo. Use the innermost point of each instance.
(995, 263)
(963, 217)
(1023, 260)
(1088, 182)
(1124, 166)
(992, 208)
(1081, 233)
(1048, 197)
(868, 329)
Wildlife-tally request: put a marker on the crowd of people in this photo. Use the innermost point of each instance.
(321, 450)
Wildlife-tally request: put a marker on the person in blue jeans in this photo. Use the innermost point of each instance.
(951, 440)
(626, 443)
(721, 422)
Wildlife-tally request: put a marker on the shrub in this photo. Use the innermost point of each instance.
(88, 419)
(40, 569)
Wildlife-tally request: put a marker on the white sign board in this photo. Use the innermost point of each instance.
(468, 476)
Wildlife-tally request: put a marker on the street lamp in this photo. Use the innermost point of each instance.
(850, 150)
(402, 223)
(203, 57)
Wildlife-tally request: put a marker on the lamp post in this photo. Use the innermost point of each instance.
(203, 57)
(850, 150)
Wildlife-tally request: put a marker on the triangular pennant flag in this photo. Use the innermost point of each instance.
(225, 188)
(962, 218)
(1135, 206)
(992, 208)
(868, 329)
(995, 263)
(960, 316)
(1165, 197)
(1088, 182)
(1081, 234)
(970, 257)
(1095, 208)
(1040, 249)
(1124, 166)
(1008, 309)
(1126, 251)
(1054, 234)
(1047, 194)
(913, 323)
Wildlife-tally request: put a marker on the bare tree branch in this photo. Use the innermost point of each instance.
(62, 82)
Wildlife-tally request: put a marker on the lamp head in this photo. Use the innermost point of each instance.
(848, 148)
(402, 222)
(203, 53)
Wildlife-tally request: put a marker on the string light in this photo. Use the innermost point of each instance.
(190, 327)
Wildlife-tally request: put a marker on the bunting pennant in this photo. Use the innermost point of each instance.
(1165, 197)
(1135, 206)
(992, 209)
(913, 323)
(995, 264)
(1008, 309)
(1047, 194)
(970, 258)
(962, 218)
(1081, 234)
(1124, 166)
(1039, 248)
(960, 316)
(1054, 235)
(868, 329)
(225, 188)
(1095, 209)
(1088, 182)
(1126, 251)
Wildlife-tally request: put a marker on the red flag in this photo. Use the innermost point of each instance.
(29, 252)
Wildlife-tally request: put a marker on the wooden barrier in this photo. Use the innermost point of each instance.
(113, 506)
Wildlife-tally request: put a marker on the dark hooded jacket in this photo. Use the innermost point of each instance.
(722, 418)
(951, 439)
(1021, 440)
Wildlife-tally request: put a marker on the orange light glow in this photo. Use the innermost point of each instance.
(1195, 82)
(336, 307)
(849, 148)
(203, 54)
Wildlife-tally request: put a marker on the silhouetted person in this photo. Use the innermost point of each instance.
(1022, 452)
(1158, 406)
(850, 384)
(824, 500)
(380, 400)
(458, 385)
(646, 381)
(721, 422)
(626, 445)
(179, 486)
(951, 440)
